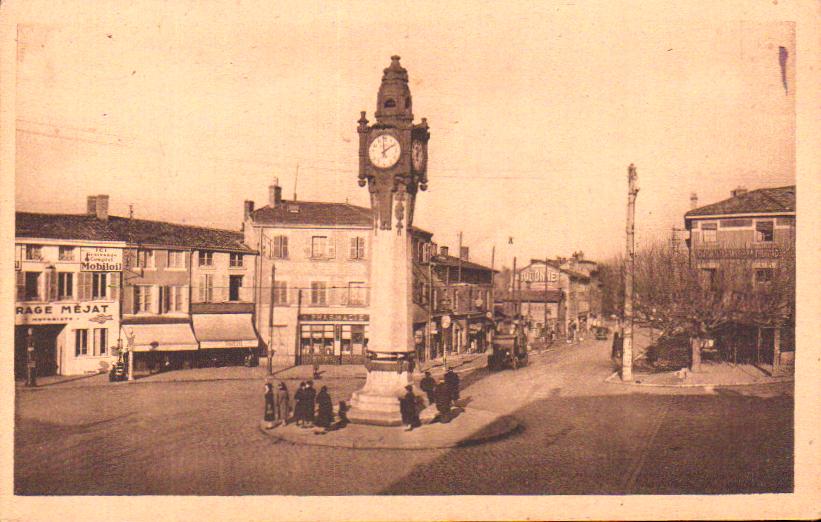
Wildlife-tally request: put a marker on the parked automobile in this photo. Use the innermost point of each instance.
(118, 372)
(602, 333)
(509, 349)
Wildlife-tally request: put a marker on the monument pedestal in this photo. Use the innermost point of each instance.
(377, 402)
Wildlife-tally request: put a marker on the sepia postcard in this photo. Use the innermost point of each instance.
(394, 260)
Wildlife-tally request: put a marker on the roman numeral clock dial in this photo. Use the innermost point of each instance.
(384, 151)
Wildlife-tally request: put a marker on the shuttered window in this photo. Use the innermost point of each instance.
(281, 247)
(84, 288)
(357, 248)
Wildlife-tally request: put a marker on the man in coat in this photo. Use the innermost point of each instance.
(299, 408)
(283, 403)
(325, 415)
(442, 397)
(407, 407)
(452, 382)
(428, 385)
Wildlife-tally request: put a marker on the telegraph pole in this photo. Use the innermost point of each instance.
(513, 287)
(459, 279)
(627, 350)
(271, 322)
(544, 324)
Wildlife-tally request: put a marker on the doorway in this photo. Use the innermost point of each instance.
(44, 339)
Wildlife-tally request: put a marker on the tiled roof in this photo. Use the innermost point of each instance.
(454, 261)
(779, 199)
(313, 213)
(132, 231)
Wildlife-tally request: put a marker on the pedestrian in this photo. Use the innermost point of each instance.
(427, 384)
(407, 408)
(270, 408)
(317, 374)
(443, 403)
(325, 409)
(342, 413)
(282, 403)
(310, 402)
(299, 407)
(452, 382)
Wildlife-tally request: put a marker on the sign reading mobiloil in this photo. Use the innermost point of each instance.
(101, 259)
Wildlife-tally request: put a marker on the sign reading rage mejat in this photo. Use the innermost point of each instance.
(61, 313)
(101, 259)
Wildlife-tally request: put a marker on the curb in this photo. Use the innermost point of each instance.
(611, 380)
(509, 426)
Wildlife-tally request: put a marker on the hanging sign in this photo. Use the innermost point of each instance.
(101, 259)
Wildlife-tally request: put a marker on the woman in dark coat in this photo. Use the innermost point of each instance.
(452, 381)
(299, 407)
(443, 403)
(407, 407)
(310, 402)
(325, 413)
(270, 407)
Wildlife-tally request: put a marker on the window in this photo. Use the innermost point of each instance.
(764, 275)
(99, 288)
(32, 286)
(319, 293)
(234, 286)
(357, 248)
(280, 293)
(145, 258)
(100, 341)
(236, 260)
(319, 245)
(80, 342)
(356, 294)
(142, 298)
(281, 247)
(206, 258)
(65, 285)
(207, 288)
(66, 253)
(317, 339)
(177, 296)
(764, 231)
(708, 232)
(176, 259)
(34, 252)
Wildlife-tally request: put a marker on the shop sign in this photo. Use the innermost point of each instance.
(61, 313)
(538, 276)
(737, 253)
(101, 259)
(333, 317)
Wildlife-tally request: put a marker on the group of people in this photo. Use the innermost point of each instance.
(310, 408)
(443, 394)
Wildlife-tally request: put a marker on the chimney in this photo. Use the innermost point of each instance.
(739, 191)
(693, 200)
(91, 205)
(274, 194)
(443, 250)
(102, 207)
(247, 208)
(465, 253)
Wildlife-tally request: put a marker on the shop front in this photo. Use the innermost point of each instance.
(67, 338)
(224, 339)
(161, 346)
(332, 338)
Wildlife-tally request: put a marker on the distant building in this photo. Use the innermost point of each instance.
(756, 227)
(88, 285)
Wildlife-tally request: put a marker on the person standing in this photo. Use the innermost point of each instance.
(428, 385)
(443, 404)
(452, 382)
(325, 409)
(282, 403)
(310, 402)
(270, 407)
(407, 408)
(299, 407)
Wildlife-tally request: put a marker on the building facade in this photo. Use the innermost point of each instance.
(93, 285)
(752, 232)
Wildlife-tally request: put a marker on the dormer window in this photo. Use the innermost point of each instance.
(390, 103)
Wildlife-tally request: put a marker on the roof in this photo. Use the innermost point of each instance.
(132, 231)
(534, 296)
(557, 266)
(454, 261)
(313, 213)
(769, 200)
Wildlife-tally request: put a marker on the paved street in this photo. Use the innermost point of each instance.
(580, 436)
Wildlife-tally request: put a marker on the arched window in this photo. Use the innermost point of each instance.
(390, 103)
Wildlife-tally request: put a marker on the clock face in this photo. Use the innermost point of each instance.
(418, 155)
(384, 151)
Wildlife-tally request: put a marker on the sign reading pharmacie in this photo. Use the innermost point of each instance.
(101, 259)
(334, 317)
(62, 313)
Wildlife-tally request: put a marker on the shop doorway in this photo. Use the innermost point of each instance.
(44, 339)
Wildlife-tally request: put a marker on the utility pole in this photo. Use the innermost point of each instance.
(627, 350)
(271, 322)
(459, 277)
(513, 287)
(544, 324)
(299, 327)
(430, 309)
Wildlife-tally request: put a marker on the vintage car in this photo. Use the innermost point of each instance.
(602, 333)
(118, 372)
(509, 348)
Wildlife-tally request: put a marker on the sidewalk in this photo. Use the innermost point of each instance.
(711, 374)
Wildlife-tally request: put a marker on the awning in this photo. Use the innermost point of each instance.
(420, 315)
(159, 337)
(225, 331)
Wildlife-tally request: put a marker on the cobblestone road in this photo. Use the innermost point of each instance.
(580, 436)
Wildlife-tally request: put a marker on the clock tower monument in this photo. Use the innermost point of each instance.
(393, 165)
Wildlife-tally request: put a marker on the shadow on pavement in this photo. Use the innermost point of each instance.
(622, 444)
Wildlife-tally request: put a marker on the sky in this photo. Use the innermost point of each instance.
(535, 112)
